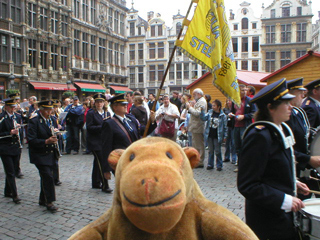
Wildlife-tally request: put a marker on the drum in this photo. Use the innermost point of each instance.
(309, 218)
(315, 146)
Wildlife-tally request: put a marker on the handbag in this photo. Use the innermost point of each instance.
(166, 129)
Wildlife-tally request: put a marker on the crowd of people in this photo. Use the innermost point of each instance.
(255, 135)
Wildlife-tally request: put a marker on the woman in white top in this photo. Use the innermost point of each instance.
(169, 112)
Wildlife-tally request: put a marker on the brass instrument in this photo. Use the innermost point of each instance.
(15, 125)
(54, 133)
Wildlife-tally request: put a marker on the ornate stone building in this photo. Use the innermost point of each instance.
(286, 32)
(246, 37)
(316, 35)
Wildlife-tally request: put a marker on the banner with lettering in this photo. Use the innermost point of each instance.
(208, 42)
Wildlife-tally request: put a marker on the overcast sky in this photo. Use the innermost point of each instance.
(168, 8)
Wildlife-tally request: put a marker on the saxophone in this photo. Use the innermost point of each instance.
(15, 125)
(57, 143)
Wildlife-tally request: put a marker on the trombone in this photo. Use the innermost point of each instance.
(54, 133)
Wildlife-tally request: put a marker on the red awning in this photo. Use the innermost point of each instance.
(121, 89)
(90, 87)
(51, 86)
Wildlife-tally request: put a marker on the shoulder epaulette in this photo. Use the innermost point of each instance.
(260, 127)
(106, 118)
(308, 102)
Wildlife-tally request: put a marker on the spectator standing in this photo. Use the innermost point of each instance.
(251, 91)
(152, 99)
(74, 122)
(139, 111)
(230, 149)
(129, 97)
(175, 99)
(196, 126)
(242, 118)
(169, 112)
(66, 103)
(217, 125)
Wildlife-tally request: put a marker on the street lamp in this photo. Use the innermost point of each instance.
(11, 80)
(69, 84)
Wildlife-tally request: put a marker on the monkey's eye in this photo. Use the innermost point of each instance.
(169, 155)
(132, 156)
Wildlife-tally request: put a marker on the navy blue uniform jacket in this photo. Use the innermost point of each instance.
(265, 176)
(94, 124)
(313, 112)
(9, 145)
(39, 152)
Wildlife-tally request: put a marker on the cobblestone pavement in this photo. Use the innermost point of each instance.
(79, 204)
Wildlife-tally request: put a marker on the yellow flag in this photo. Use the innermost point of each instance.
(208, 42)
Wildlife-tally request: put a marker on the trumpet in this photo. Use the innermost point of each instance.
(15, 125)
(54, 133)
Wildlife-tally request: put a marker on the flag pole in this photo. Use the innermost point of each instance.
(167, 69)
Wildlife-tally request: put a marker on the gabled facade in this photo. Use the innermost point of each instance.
(246, 37)
(316, 35)
(286, 32)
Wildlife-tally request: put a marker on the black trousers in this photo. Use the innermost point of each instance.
(56, 175)
(10, 164)
(98, 170)
(73, 141)
(47, 192)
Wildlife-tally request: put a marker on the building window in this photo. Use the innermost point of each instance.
(270, 33)
(54, 22)
(93, 9)
(160, 31)
(122, 27)
(160, 50)
(171, 72)
(301, 32)
(140, 74)
(236, 62)
(16, 13)
(93, 47)
(85, 10)
(299, 11)
(76, 42)
(122, 56)
(132, 52)
(254, 25)
(178, 28)
(160, 72)
(285, 11)
(194, 71)
(140, 51)
(272, 13)
(85, 44)
(152, 72)
(244, 23)
(179, 71)
(255, 44)
(110, 53)
(153, 31)
(110, 17)
(76, 8)
(63, 2)
(255, 65)
(32, 15)
(244, 44)
(44, 55)
(152, 51)
(235, 44)
(16, 50)
(54, 57)
(285, 58)
(132, 74)
(270, 61)
(286, 33)
(116, 54)
(244, 11)
(244, 65)
(102, 50)
(300, 53)
(43, 19)
(32, 53)
(64, 57)
(186, 71)
(132, 27)
(235, 26)
(139, 31)
(171, 46)
(64, 25)
(3, 7)
(116, 22)
(4, 48)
